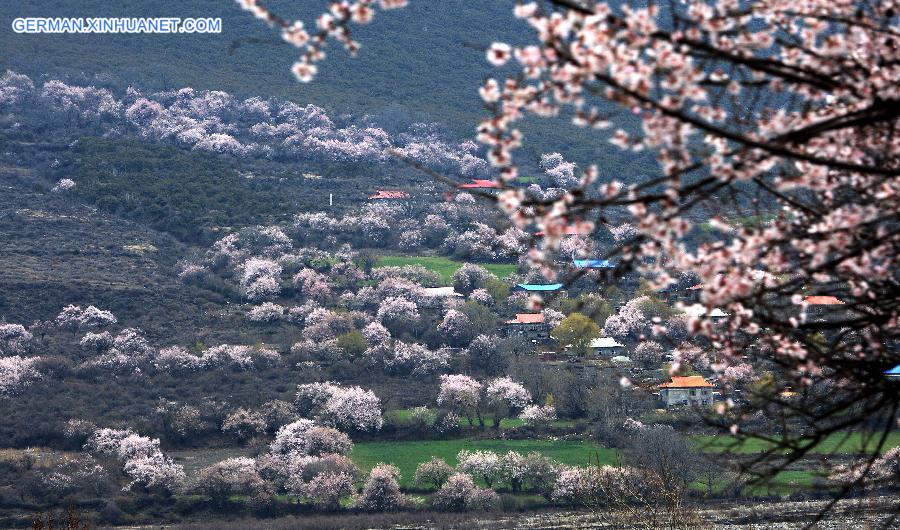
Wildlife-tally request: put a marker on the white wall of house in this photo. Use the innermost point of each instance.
(679, 397)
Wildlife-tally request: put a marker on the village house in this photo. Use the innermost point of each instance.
(481, 186)
(686, 391)
(604, 267)
(531, 326)
(822, 307)
(606, 347)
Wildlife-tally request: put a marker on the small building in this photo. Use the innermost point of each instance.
(531, 326)
(823, 307)
(537, 287)
(686, 391)
(606, 347)
(387, 195)
(601, 268)
(480, 185)
(691, 295)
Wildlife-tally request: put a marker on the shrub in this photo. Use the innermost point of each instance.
(459, 493)
(433, 473)
(381, 491)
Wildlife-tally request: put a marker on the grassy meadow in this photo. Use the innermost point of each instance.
(838, 443)
(444, 266)
(409, 454)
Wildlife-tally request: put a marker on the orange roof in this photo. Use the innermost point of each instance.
(822, 300)
(475, 184)
(527, 318)
(691, 381)
(390, 194)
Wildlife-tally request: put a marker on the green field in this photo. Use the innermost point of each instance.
(408, 455)
(443, 266)
(404, 417)
(843, 443)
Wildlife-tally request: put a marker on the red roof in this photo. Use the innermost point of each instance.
(390, 194)
(571, 230)
(691, 381)
(527, 318)
(695, 287)
(822, 300)
(475, 184)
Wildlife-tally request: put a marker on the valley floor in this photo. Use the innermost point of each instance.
(869, 512)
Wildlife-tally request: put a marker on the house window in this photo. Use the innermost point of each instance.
(693, 392)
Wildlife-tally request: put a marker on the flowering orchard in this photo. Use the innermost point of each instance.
(782, 108)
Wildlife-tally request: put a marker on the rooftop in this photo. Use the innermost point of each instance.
(439, 292)
(389, 194)
(478, 183)
(822, 300)
(699, 310)
(527, 318)
(594, 263)
(690, 381)
(606, 342)
(539, 287)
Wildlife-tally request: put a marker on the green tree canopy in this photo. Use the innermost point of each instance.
(577, 331)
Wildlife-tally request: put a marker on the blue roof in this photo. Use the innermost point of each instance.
(538, 287)
(594, 264)
(895, 371)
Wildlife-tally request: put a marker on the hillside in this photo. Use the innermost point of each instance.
(421, 63)
(83, 256)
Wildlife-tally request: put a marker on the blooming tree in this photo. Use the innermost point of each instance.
(142, 460)
(536, 415)
(629, 322)
(265, 313)
(461, 394)
(260, 279)
(17, 372)
(327, 489)
(460, 493)
(350, 409)
(233, 476)
(291, 438)
(399, 315)
(456, 328)
(483, 464)
(381, 492)
(14, 339)
(504, 397)
(470, 277)
(433, 473)
(648, 353)
(244, 423)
